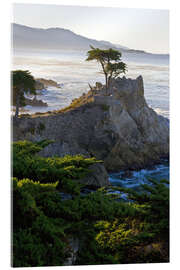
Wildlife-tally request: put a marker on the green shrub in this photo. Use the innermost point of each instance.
(126, 233)
(153, 201)
(27, 164)
(114, 231)
(38, 239)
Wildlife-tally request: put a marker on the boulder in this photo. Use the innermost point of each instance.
(98, 176)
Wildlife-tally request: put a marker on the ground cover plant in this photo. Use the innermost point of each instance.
(109, 229)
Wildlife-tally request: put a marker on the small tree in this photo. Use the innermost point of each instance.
(110, 61)
(22, 82)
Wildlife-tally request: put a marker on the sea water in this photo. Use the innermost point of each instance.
(134, 179)
(73, 73)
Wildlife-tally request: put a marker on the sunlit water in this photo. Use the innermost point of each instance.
(74, 73)
(70, 69)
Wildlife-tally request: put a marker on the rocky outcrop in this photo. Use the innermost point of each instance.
(39, 85)
(40, 82)
(115, 126)
(98, 176)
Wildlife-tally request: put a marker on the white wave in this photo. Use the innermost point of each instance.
(164, 113)
(134, 179)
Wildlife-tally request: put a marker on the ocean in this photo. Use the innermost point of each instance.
(73, 73)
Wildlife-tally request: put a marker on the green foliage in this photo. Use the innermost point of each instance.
(154, 201)
(27, 164)
(22, 79)
(70, 186)
(115, 231)
(103, 55)
(23, 148)
(110, 61)
(131, 229)
(22, 82)
(37, 239)
(115, 69)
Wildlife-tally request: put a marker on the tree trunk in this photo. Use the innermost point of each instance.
(17, 106)
(106, 78)
(109, 81)
(106, 82)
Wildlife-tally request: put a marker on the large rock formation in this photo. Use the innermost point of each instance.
(117, 127)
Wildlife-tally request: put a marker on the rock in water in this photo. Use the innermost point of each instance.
(116, 126)
(43, 83)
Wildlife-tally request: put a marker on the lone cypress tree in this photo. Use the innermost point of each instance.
(110, 61)
(22, 82)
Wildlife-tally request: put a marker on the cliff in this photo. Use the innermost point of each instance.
(117, 127)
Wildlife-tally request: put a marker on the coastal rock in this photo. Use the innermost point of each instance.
(46, 83)
(116, 126)
(39, 85)
(98, 177)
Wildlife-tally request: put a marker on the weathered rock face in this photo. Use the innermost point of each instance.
(98, 177)
(118, 128)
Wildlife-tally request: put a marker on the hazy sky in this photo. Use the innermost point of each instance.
(142, 29)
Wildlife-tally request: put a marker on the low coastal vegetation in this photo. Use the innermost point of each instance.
(108, 229)
(27, 164)
(57, 218)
